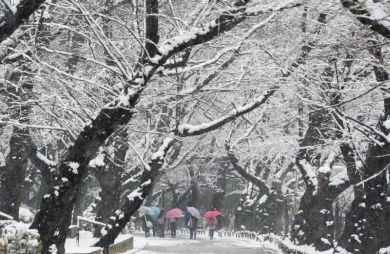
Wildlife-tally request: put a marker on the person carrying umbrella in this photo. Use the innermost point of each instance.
(173, 226)
(155, 212)
(172, 218)
(212, 222)
(146, 225)
(161, 224)
(191, 218)
(193, 226)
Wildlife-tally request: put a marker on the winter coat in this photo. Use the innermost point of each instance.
(212, 223)
(193, 222)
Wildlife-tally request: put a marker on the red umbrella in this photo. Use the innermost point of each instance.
(212, 214)
(174, 213)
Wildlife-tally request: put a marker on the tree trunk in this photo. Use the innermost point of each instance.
(109, 202)
(286, 220)
(119, 219)
(194, 193)
(313, 223)
(337, 221)
(218, 197)
(13, 174)
(367, 223)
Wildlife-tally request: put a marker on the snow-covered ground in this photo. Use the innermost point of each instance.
(202, 245)
(86, 241)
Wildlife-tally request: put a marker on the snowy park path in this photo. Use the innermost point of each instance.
(201, 246)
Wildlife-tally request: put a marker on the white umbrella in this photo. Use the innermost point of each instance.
(194, 212)
(145, 210)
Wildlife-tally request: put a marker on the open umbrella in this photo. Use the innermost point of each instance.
(174, 213)
(155, 212)
(212, 214)
(145, 210)
(194, 212)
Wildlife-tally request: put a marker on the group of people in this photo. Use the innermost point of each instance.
(191, 222)
(193, 226)
(158, 226)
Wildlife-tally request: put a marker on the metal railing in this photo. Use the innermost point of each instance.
(77, 226)
(4, 215)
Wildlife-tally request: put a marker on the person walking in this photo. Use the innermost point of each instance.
(146, 225)
(161, 224)
(173, 226)
(212, 224)
(193, 226)
(232, 218)
(154, 228)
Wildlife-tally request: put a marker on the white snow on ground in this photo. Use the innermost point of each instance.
(152, 245)
(385, 250)
(86, 241)
(304, 249)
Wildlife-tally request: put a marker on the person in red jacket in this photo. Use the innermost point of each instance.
(212, 224)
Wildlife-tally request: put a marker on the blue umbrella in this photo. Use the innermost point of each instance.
(155, 212)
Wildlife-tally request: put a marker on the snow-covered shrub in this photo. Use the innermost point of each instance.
(25, 214)
(17, 238)
(130, 226)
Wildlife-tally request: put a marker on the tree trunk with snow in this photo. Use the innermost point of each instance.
(218, 196)
(367, 223)
(313, 223)
(109, 176)
(261, 207)
(286, 219)
(13, 173)
(337, 221)
(11, 21)
(134, 200)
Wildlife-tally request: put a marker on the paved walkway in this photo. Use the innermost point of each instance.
(202, 246)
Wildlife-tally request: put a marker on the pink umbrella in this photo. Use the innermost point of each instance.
(174, 213)
(212, 214)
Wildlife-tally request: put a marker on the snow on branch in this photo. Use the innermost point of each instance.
(9, 23)
(220, 54)
(192, 130)
(371, 13)
(45, 160)
(263, 188)
(6, 216)
(224, 23)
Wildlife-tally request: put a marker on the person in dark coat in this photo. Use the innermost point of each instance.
(155, 228)
(161, 224)
(193, 226)
(173, 226)
(146, 225)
